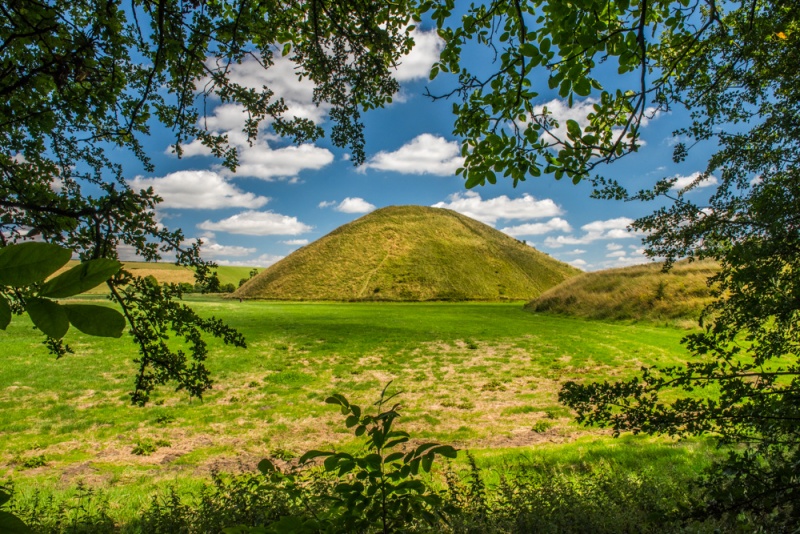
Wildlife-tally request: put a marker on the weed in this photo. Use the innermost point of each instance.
(144, 447)
(164, 419)
(493, 385)
(31, 462)
(540, 427)
(518, 410)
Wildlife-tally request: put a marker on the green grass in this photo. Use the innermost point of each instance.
(411, 253)
(480, 376)
(638, 293)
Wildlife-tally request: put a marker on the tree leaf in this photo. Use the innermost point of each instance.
(25, 263)
(266, 466)
(95, 320)
(80, 278)
(574, 129)
(11, 524)
(48, 316)
(5, 313)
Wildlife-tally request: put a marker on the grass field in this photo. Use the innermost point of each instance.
(479, 376)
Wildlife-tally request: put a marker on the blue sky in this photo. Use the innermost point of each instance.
(284, 196)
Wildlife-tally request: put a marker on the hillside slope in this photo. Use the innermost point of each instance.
(410, 253)
(640, 292)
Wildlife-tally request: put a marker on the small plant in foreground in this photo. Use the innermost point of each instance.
(31, 462)
(541, 427)
(146, 447)
(378, 489)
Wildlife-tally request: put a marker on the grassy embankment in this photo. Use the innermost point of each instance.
(638, 293)
(483, 377)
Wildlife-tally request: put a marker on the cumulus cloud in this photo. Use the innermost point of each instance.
(354, 205)
(211, 249)
(282, 79)
(575, 252)
(257, 223)
(348, 205)
(683, 182)
(579, 263)
(614, 246)
(264, 260)
(425, 154)
(553, 225)
(616, 254)
(198, 190)
(417, 63)
(295, 242)
(490, 210)
(594, 231)
(259, 157)
(560, 111)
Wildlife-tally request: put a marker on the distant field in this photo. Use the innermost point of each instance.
(479, 376)
(175, 274)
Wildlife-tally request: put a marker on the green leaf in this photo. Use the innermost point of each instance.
(80, 278)
(26, 263)
(48, 317)
(11, 524)
(5, 314)
(266, 466)
(574, 129)
(447, 451)
(95, 320)
(583, 87)
(310, 455)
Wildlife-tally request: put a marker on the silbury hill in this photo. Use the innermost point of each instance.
(410, 253)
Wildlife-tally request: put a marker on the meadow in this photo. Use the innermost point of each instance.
(483, 377)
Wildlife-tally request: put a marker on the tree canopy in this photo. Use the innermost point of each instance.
(732, 66)
(81, 78)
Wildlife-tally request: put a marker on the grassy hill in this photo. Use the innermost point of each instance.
(171, 273)
(641, 292)
(411, 253)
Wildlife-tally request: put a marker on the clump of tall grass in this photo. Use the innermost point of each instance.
(638, 293)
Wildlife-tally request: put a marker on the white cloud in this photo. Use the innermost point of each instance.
(354, 205)
(614, 246)
(575, 252)
(580, 264)
(425, 154)
(261, 161)
(417, 63)
(682, 182)
(326, 204)
(265, 260)
(258, 157)
(198, 190)
(490, 210)
(560, 111)
(257, 223)
(616, 254)
(594, 231)
(282, 79)
(295, 242)
(553, 225)
(211, 249)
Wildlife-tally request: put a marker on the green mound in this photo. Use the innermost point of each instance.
(410, 253)
(641, 292)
